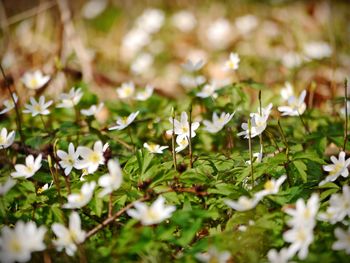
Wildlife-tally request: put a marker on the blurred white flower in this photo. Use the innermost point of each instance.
(9, 105)
(292, 59)
(4, 188)
(123, 122)
(317, 50)
(296, 106)
(145, 94)
(282, 256)
(92, 158)
(93, 8)
(133, 42)
(151, 20)
(218, 122)
(208, 90)
(35, 80)
(8, 60)
(191, 66)
(111, 181)
(6, 139)
(287, 91)
(301, 238)
(154, 148)
(68, 159)
(182, 143)
(38, 107)
(338, 168)
(271, 187)
(154, 214)
(233, 62)
(243, 203)
(184, 20)
(17, 244)
(142, 63)
(342, 110)
(68, 238)
(126, 91)
(69, 100)
(81, 199)
(29, 169)
(93, 110)
(219, 33)
(191, 81)
(247, 23)
(213, 255)
(343, 240)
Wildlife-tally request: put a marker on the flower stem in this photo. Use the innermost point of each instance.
(250, 150)
(304, 123)
(285, 164)
(44, 124)
(110, 205)
(190, 137)
(18, 116)
(173, 140)
(346, 114)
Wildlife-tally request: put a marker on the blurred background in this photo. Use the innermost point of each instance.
(108, 42)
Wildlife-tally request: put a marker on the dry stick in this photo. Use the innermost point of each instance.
(18, 117)
(190, 137)
(250, 150)
(173, 140)
(346, 114)
(260, 135)
(114, 217)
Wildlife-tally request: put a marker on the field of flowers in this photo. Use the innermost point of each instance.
(174, 132)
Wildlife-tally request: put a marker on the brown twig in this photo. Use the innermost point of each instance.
(346, 114)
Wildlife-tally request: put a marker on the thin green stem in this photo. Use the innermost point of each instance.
(190, 137)
(285, 164)
(250, 150)
(44, 124)
(346, 114)
(173, 140)
(304, 123)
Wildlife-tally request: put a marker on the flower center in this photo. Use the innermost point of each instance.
(37, 107)
(94, 157)
(269, 185)
(15, 246)
(33, 82)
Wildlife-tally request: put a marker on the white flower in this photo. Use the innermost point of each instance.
(29, 169)
(233, 62)
(81, 199)
(93, 8)
(296, 106)
(111, 181)
(339, 207)
(93, 110)
(92, 158)
(208, 90)
(68, 160)
(191, 81)
(182, 143)
(154, 214)
(291, 59)
(258, 125)
(123, 122)
(133, 41)
(218, 122)
(4, 188)
(243, 204)
(245, 24)
(36, 108)
(35, 80)
(218, 33)
(343, 242)
(154, 148)
(17, 244)
(191, 66)
(317, 50)
(151, 20)
(146, 94)
(287, 91)
(342, 110)
(282, 256)
(258, 157)
(184, 21)
(271, 187)
(68, 238)
(6, 140)
(182, 127)
(338, 168)
(304, 214)
(9, 105)
(126, 91)
(301, 238)
(142, 63)
(69, 100)
(213, 255)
